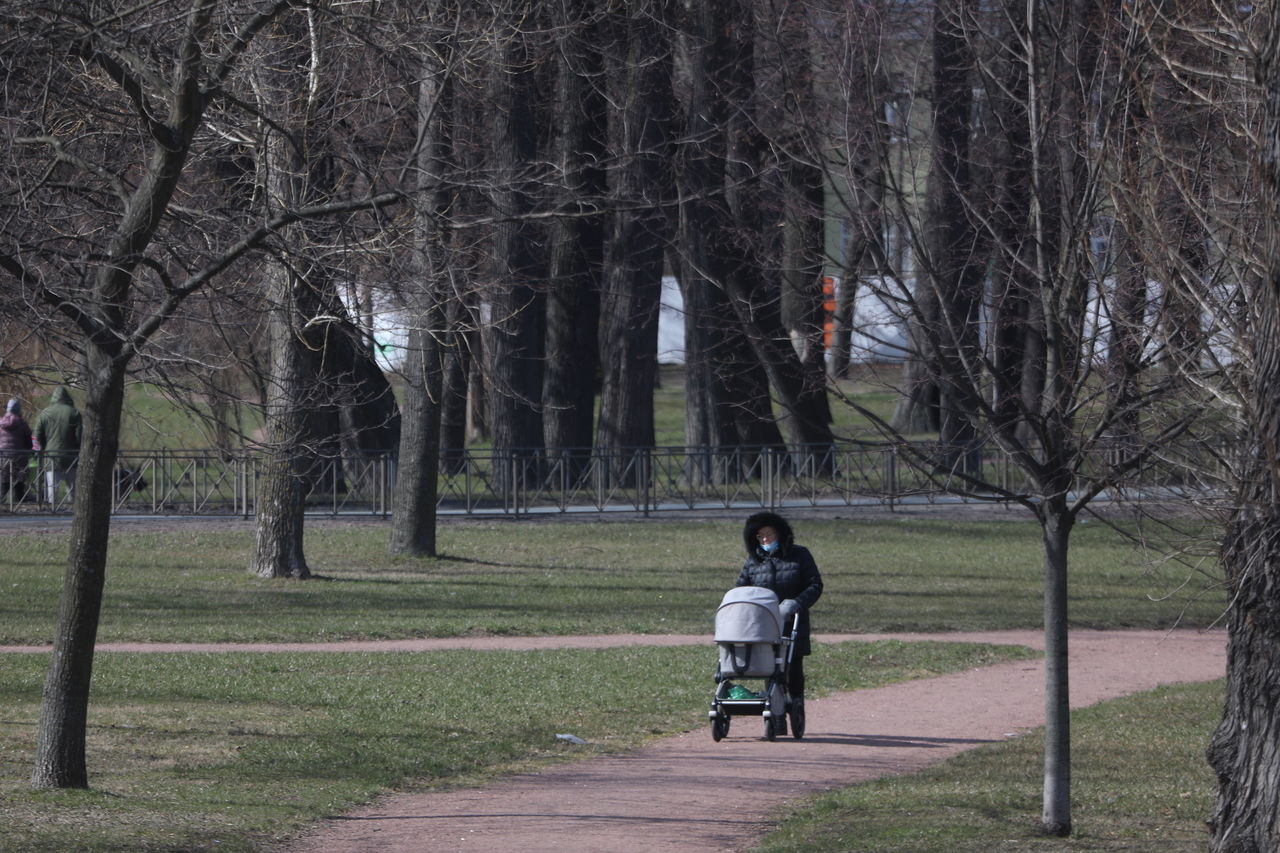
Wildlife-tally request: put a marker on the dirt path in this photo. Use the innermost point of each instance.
(688, 794)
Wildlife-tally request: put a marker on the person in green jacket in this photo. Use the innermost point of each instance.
(57, 437)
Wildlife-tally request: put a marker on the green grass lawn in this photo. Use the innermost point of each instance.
(1140, 784)
(191, 584)
(151, 421)
(222, 752)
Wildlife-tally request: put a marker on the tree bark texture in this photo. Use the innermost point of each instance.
(294, 169)
(754, 295)
(1245, 749)
(955, 261)
(577, 238)
(638, 238)
(514, 343)
(727, 402)
(282, 478)
(413, 525)
(60, 759)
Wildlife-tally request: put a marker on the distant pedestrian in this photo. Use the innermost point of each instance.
(15, 452)
(57, 437)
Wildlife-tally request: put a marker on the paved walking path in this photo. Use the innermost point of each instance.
(688, 794)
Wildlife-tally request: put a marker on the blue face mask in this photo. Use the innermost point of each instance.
(769, 547)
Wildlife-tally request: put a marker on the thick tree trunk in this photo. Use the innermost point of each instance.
(293, 165)
(755, 296)
(60, 741)
(1013, 283)
(515, 340)
(1243, 752)
(802, 264)
(955, 261)
(413, 523)
(916, 412)
(286, 460)
(638, 240)
(577, 240)
(704, 222)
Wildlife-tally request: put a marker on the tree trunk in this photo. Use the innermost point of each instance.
(413, 523)
(755, 296)
(293, 162)
(282, 478)
(955, 261)
(577, 239)
(1124, 347)
(637, 243)
(1056, 526)
(64, 713)
(1243, 754)
(703, 222)
(458, 360)
(514, 343)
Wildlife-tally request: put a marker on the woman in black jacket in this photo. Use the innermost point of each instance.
(776, 562)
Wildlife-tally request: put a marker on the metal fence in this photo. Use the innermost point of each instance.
(647, 480)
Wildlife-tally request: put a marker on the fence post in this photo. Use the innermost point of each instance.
(891, 476)
(646, 463)
(766, 478)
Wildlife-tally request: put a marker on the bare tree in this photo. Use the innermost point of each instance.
(641, 226)
(727, 400)
(577, 235)
(514, 293)
(430, 338)
(1011, 311)
(1211, 95)
(109, 115)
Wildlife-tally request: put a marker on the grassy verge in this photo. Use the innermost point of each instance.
(1140, 785)
(190, 584)
(218, 752)
(222, 752)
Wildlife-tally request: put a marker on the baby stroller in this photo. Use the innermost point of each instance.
(753, 646)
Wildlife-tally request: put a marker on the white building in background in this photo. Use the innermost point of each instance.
(879, 335)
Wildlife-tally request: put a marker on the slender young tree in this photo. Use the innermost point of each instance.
(1014, 249)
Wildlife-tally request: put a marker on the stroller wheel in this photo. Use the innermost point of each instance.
(719, 727)
(770, 730)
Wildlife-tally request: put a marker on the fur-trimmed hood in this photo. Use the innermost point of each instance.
(766, 519)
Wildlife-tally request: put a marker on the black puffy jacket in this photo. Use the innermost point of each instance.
(789, 571)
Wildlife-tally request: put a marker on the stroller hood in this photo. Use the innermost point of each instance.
(748, 614)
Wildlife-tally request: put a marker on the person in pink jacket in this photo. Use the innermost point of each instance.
(15, 453)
